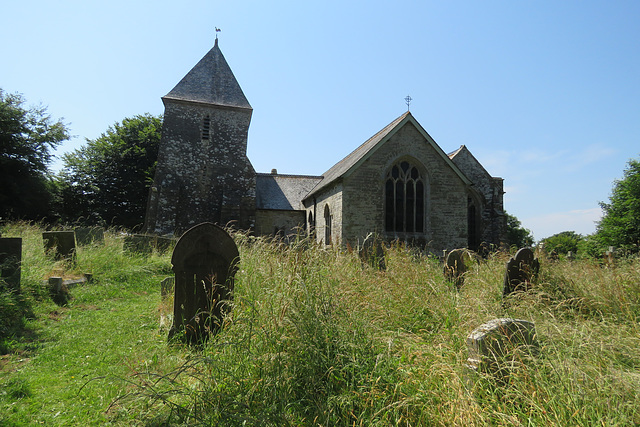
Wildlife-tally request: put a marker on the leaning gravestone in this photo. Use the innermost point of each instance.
(205, 261)
(498, 345)
(62, 244)
(454, 267)
(10, 259)
(88, 235)
(372, 252)
(521, 269)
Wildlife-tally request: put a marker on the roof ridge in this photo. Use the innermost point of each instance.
(210, 81)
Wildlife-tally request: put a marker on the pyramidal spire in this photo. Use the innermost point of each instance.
(211, 81)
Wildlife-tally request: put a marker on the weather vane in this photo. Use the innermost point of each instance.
(217, 31)
(408, 100)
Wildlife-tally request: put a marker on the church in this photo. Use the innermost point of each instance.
(398, 184)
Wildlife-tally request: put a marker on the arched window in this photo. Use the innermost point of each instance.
(404, 199)
(206, 126)
(311, 223)
(327, 225)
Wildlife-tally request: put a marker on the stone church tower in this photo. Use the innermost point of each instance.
(203, 173)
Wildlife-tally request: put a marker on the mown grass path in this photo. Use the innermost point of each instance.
(77, 360)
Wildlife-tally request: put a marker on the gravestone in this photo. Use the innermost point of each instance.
(371, 252)
(521, 269)
(88, 235)
(163, 244)
(166, 287)
(10, 260)
(497, 345)
(61, 244)
(204, 261)
(138, 243)
(454, 267)
(609, 258)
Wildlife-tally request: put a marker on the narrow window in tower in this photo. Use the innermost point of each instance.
(206, 125)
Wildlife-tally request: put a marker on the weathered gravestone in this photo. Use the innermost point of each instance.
(521, 269)
(163, 244)
(372, 252)
(61, 244)
(498, 345)
(609, 258)
(205, 261)
(166, 287)
(10, 259)
(138, 243)
(454, 267)
(88, 235)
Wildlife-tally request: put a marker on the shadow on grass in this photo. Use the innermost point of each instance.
(16, 336)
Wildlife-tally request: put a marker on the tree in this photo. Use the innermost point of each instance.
(107, 180)
(620, 224)
(27, 136)
(562, 242)
(516, 234)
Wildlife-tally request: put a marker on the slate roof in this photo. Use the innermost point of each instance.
(210, 81)
(343, 167)
(465, 150)
(283, 192)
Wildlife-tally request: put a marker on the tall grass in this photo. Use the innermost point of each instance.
(316, 337)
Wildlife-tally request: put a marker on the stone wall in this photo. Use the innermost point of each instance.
(284, 223)
(333, 198)
(202, 180)
(490, 191)
(446, 200)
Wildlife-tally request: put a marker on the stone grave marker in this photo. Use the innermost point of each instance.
(371, 252)
(88, 235)
(61, 244)
(166, 287)
(138, 243)
(497, 345)
(609, 258)
(521, 269)
(454, 267)
(204, 261)
(10, 260)
(163, 243)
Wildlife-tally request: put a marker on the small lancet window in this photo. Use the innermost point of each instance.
(206, 126)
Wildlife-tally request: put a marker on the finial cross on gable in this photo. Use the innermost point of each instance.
(408, 100)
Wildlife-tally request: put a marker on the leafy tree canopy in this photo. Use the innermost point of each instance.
(27, 136)
(107, 180)
(517, 235)
(562, 242)
(620, 224)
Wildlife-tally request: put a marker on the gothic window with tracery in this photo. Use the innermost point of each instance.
(404, 199)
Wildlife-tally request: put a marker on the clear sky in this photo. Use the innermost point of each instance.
(545, 94)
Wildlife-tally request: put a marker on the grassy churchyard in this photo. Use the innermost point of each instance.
(315, 338)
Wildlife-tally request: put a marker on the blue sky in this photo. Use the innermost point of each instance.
(545, 94)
